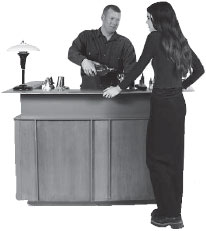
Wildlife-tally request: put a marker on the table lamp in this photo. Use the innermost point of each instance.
(23, 50)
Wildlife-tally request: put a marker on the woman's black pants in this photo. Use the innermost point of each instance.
(165, 149)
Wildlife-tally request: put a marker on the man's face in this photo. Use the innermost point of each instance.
(110, 21)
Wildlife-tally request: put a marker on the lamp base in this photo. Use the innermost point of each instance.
(22, 87)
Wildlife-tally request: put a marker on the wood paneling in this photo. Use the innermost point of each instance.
(89, 107)
(64, 160)
(25, 158)
(82, 148)
(101, 160)
(130, 178)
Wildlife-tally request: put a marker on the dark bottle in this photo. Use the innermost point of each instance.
(132, 85)
(51, 82)
(141, 82)
(103, 70)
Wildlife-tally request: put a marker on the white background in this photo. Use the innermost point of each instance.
(52, 26)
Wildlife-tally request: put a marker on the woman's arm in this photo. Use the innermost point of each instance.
(198, 70)
(146, 56)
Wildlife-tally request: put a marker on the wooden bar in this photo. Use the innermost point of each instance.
(76, 147)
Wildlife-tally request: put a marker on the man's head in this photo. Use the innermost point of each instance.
(111, 18)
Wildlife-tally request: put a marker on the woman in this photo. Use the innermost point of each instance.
(172, 58)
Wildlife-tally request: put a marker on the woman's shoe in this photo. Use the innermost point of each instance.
(160, 221)
(154, 213)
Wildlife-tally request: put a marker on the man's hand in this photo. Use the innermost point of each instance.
(89, 67)
(111, 92)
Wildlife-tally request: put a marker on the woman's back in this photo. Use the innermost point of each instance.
(165, 73)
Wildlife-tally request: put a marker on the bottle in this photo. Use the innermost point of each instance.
(141, 86)
(51, 83)
(132, 85)
(150, 84)
(103, 70)
(141, 82)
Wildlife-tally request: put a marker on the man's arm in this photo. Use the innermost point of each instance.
(77, 51)
(77, 54)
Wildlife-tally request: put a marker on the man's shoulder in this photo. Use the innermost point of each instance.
(123, 39)
(89, 32)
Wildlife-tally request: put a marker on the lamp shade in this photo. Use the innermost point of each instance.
(23, 47)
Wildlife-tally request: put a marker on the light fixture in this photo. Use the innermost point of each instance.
(23, 50)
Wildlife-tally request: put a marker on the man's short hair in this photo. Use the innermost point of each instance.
(113, 7)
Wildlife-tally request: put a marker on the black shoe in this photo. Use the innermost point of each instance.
(160, 221)
(154, 213)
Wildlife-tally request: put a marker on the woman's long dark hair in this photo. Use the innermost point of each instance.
(173, 41)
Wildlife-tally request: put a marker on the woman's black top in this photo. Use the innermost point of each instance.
(165, 75)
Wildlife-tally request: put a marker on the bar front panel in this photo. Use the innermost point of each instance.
(82, 148)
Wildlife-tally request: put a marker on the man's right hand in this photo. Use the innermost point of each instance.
(89, 67)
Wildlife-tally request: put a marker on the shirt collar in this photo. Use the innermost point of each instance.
(115, 36)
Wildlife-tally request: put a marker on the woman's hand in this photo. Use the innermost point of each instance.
(111, 92)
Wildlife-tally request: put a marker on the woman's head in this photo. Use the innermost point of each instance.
(175, 45)
(162, 15)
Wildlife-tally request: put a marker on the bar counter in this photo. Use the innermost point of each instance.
(76, 147)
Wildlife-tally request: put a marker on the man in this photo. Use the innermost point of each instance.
(102, 46)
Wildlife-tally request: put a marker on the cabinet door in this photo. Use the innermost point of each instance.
(26, 160)
(64, 160)
(129, 174)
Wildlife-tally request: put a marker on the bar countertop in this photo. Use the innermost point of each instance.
(38, 90)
